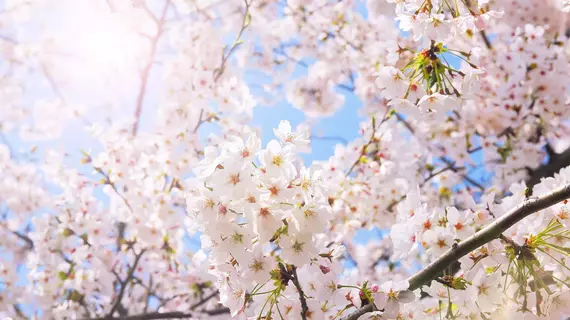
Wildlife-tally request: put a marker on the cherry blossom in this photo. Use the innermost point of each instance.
(137, 180)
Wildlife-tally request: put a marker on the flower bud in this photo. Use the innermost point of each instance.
(324, 269)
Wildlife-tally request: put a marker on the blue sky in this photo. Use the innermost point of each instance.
(345, 123)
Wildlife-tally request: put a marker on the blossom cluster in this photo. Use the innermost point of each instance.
(134, 182)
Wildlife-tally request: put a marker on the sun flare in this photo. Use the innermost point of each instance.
(104, 40)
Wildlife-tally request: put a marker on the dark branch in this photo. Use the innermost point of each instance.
(555, 163)
(486, 40)
(29, 242)
(304, 307)
(464, 176)
(169, 315)
(125, 283)
(204, 300)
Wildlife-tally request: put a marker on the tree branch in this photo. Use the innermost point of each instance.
(486, 40)
(371, 141)
(29, 242)
(168, 315)
(304, 307)
(464, 176)
(487, 234)
(125, 283)
(555, 163)
(205, 300)
(146, 70)
(245, 23)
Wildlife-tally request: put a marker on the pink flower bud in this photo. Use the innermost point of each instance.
(324, 269)
(374, 288)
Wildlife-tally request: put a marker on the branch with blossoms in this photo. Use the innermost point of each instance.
(124, 283)
(493, 231)
(174, 314)
(169, 315)
(302, 299)
(364, 149)
(457, 144)
(237, 42)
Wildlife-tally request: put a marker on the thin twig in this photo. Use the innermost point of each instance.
(125, 283)
(29, 242)
(405, 123)
(286, 55)
(205, 299)
(245, 22)
(431, 176)
(372, 140)
(448, 162)
(435, 174)
(113, 186)
(146, 71)
(464, 176)
(148, 294)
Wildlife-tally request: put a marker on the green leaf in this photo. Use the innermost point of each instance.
(432, 79)
(62, 275)
(67, 232)
(75, 296)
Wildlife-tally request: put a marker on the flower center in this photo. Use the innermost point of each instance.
(309, 213)
(209, 203)
(277, 160)
(264, 212)
(236, 238)
(256, 266)
(233, 178)
(483, 290)
(298, 247)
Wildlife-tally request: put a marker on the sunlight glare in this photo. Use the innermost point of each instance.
(105, 41)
